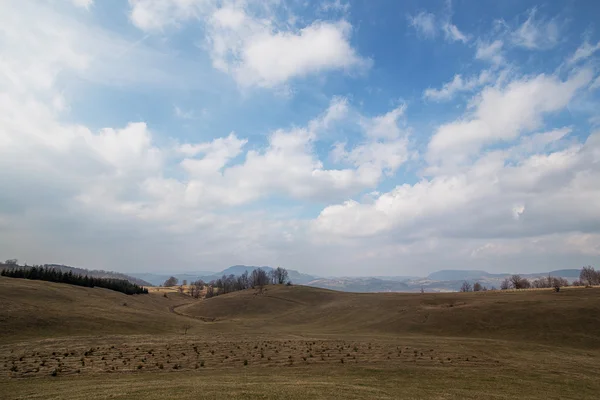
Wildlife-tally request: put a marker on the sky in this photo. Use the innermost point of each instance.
(333, 137)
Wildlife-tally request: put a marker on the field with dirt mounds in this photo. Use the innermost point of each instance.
(62, 342)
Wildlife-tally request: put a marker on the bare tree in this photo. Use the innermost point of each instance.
(13, 262)
(180, 289)
(196, 288)
(210, 292)
(280, 276)
(184, 282)
(505, 284)
(259, 278)
(517, 282)
(589, 276)
(172, 281)
(466, 287)
(477, 287)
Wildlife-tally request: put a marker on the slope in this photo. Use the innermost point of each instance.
(31, 309)
(568, 318)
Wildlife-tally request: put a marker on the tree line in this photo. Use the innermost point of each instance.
(44, 273)
(587, 277)
(258, 278)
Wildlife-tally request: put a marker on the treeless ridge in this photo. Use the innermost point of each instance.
(568, 318)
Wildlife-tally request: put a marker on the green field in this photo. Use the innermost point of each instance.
(66, 342)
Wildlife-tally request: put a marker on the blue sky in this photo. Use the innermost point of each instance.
(332, 137)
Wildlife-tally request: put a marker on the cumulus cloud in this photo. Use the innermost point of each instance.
(502, 114)
(502, 194)
(256, 49)
(498, 184)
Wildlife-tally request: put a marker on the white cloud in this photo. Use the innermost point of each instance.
(502, 114)
(179, 113)
(454, 34)
(427, 26)
(121, 197)
(83, 3)
(256, 48)
(155, 15)
(491, 52)
(458, 84)
(384, 126)
(334, 5)
(536, 34)
(541, 192)
(272, 59)
(583, 52)
(424, 23)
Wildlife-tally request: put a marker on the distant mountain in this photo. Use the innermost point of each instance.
(459, 275)
(566, 273)
(363, 285)
(295, 276)
(240, 269)
(468, 275)
(439, 281)
(207, 276)
(159, 279)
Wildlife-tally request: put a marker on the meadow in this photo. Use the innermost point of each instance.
(64, 342)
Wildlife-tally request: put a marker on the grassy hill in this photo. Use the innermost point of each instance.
(60, 341)
(33, 309)
(569, 318)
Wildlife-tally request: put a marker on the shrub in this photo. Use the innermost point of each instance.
(245, 362)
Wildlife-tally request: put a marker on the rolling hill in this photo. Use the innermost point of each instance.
(571, 317)
(31, 309)
(60, 341)
(95, 273)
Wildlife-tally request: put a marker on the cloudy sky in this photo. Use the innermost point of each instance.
(332, 137)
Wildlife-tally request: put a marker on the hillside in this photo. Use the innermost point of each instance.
(569, 318)
(94, 273)
(60, 341)
(33, 309)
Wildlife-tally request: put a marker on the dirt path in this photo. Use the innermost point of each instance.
(174, 308)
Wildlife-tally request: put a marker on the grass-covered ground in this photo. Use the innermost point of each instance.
(65, 342)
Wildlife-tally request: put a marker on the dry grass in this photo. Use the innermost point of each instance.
(60, 341)
(568, 318)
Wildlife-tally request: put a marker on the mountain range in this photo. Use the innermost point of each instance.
(439, 281)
